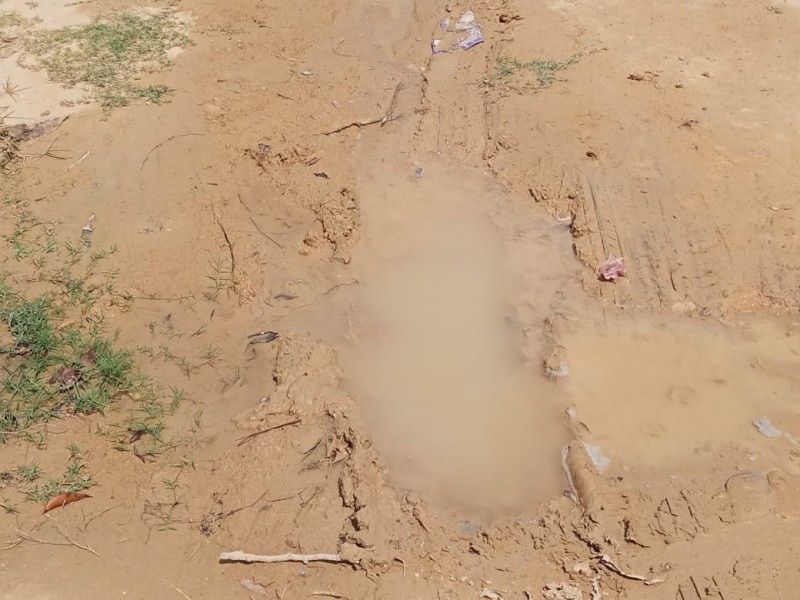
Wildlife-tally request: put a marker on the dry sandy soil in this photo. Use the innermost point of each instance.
(419, 310)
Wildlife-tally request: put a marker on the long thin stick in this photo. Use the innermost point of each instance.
(70, 542)
(239, 556)
(265, 235)
(169, 139)
(387, 116)
(176, 588)
(230, 250)
(247, 438)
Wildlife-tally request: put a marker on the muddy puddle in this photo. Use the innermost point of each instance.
(446, 337)
(462, 295)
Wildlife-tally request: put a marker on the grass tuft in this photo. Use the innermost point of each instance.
(543, 70)
(110, 53)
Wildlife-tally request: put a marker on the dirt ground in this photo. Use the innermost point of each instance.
(456, 406)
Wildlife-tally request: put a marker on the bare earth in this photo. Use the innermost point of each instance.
(416, 308)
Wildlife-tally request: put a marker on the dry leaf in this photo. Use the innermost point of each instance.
(64, 499)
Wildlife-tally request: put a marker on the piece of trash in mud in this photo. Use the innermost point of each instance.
(463, 35)
(64, 499)
(766, 428)
(419, 172)
(609, 564)
(591, 154)
(88, 227)
(262, 337)
(600, 460)
(555, 363)
(322, 175)
(253, 587)
(136, 435)
(611, 268)
(487, 593)
(468, 527)
(88, 358)
(562, 591)
(561, 371)
(263, 400)
(306, 73)
(285, 296)
(577, 424)
(65, 376)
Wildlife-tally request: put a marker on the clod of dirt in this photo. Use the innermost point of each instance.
(583, 474)
(561, 591)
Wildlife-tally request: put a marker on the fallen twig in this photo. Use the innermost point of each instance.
(239, 556)
(49, 153)
(69, 541)
(331, 595)
(169, 139)
(230, 248)
(247, 438)
(387, 116)
(264, 234)
(79, 161)
(609, 564)
(177, 589)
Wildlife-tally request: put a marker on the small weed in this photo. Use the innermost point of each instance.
(29, 472)
(543, 70)
(74, 479)
(153, 93)
(177, 397)
(9, 508)
(170, 484)
(221, 276)
(187, 462)
(74, 452)
(12, 90)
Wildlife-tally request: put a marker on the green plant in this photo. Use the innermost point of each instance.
(153, 93)
(74, 479)
(29, 472)
(110, 53)
(543, 70)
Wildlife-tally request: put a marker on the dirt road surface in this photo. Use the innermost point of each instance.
(461, 408)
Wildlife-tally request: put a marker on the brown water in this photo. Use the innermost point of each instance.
(451, 385)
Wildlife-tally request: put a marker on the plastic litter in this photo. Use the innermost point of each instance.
(419, 172)
(766, 428)
(611, 268)
(561, 371)
(462, 35)
(600, 460)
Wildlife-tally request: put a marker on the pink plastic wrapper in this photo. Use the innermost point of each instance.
(463, 35)
(612, 268)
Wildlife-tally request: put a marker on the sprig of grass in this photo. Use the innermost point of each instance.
(29, 472)
(543, 70)
(74, 479)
